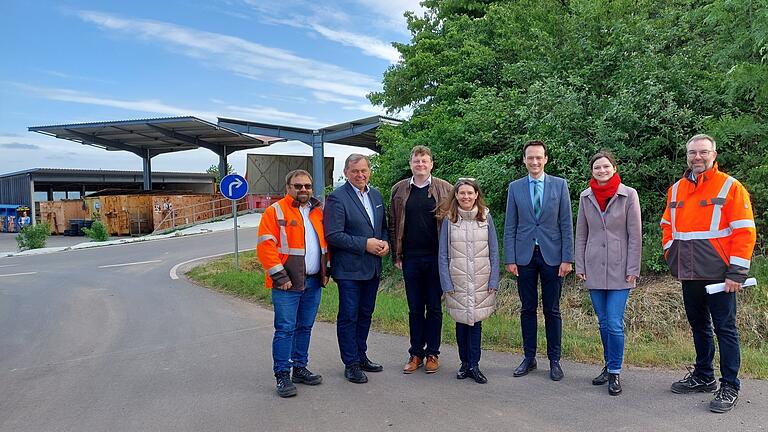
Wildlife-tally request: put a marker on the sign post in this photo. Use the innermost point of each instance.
(234, 187)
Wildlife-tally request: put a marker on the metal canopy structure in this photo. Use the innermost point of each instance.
(148, 138)
(359, 133)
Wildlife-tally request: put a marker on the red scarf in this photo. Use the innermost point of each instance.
(605, 192)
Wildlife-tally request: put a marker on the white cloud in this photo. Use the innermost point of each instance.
(149, 106)
(239, 56)
(392, 11)
(368, 45)
(325, 21)
(156, 107)
(365, 108)
(267, 114)
(327, 97)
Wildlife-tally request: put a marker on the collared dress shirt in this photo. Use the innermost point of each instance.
(311, 243)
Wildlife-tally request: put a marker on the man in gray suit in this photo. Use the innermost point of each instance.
(538, 244)
(355, 227)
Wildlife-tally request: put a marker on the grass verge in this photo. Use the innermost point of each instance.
(657, 333)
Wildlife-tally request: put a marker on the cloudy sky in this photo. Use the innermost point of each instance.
(291, 62)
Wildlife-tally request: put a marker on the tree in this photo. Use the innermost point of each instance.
(637, 77)
(214, 169)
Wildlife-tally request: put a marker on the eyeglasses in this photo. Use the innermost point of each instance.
(702, 153)
(300, 186)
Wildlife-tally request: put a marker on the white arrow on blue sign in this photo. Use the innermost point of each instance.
(233, 187)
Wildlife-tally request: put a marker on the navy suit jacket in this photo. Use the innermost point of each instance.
(553, 229)
(348, 228)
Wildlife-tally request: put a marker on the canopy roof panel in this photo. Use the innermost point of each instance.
(156, 136)
(359, 133)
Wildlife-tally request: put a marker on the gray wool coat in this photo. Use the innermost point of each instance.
(609, 246)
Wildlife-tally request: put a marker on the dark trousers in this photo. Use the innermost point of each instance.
(551, 289)
(425, 314)
(357, 299)
(703, 310)
(468, 340)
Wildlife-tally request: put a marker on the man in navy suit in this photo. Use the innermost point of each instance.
(356, 231)
(538, 244)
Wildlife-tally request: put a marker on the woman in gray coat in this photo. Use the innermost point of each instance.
(468, 260)
(608, 251)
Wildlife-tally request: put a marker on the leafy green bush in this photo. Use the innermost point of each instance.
(33, 236)
(97, 231)
(482, 77)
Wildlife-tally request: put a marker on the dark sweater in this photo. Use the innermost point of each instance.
(420, 233)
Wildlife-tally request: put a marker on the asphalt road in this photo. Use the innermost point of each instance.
(84, 347)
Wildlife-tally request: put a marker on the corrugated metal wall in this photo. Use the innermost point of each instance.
(16, 190)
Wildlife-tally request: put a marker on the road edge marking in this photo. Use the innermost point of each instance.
(17, 274)
(130, 264)
(175, 268)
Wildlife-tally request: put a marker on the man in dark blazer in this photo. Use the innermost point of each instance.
(538, 244)
(356, 231)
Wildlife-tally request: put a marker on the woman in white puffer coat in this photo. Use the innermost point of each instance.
(469, 270)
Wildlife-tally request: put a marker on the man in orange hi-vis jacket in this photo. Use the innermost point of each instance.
(292, 249)
(708, 236)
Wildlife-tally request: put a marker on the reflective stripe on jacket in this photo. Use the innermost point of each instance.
(280, 246)
(708, 228)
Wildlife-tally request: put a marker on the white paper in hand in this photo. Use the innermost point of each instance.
(720, 287)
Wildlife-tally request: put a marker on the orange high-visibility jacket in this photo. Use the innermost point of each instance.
(280, 245)
(708, 227)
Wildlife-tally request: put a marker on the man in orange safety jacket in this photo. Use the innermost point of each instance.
(292, 249)
(709, 236)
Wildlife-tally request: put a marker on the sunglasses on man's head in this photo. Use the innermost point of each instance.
(300, 186)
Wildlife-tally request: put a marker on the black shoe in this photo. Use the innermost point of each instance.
(305, 376)
(725, 399)
(614, 384)
(367, 365)
(463, 371)
(602, 378)
(527, 365)
(555, 371)
(476, 375)
(353, 374)
(285, 387)
(693, 383)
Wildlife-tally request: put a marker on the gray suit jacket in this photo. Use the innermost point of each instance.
(553, 229)
(348, 228)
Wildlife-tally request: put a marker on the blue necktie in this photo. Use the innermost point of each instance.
(536, 198)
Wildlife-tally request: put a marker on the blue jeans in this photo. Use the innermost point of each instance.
(609, 307)
(295, 313)
(703, 310)
(468, 339)
(551, 289)
(425, 313)
(357, 299)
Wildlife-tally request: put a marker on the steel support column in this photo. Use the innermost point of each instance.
(318, 165)
(147, 170)
(32, 216)
(223, 163)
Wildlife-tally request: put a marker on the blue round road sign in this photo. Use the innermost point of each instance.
(233, 187)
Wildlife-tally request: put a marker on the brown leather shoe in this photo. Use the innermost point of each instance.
(414, 363)
(432, 364)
